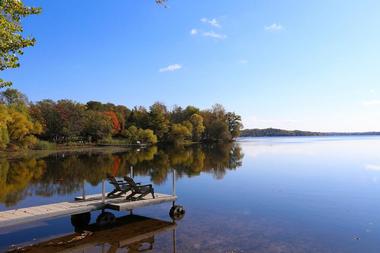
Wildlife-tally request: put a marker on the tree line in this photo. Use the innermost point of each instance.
(23, 124)
(274, 132)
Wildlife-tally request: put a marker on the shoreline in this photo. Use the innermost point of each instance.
(76, 149)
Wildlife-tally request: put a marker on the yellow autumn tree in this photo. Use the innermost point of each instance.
(21, 129)
(4, 118)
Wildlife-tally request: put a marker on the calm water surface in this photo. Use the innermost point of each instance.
(258, 195)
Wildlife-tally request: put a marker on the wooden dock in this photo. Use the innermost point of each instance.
(80, 205)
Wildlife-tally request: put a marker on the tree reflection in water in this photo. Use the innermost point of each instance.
(62, 174)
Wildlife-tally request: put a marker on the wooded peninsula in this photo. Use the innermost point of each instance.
(274, 132)
(43, 124)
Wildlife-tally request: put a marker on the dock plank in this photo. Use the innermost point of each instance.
(123, 205)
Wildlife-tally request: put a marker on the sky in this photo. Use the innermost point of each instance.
(309, 65)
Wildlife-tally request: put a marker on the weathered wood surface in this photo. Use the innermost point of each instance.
(92, 203)
(122, 205)
(29, 214)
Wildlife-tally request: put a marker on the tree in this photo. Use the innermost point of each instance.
(131, 134)
(94, 105)
(134, 135)
(179, 134)
(21, 129)
(97, 126)
(138, 117)
(176, 115)
(159, 119)
(4, 119)
(17, 127)
(46, 112)
(189, 111)
(234, 124)
(11, 34)
(115, 121)
(12, 97)
(122, 113)
(72, 119)
(147, 136)
(198, 127)
(218, 131)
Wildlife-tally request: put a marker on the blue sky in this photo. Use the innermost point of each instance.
(311, 65)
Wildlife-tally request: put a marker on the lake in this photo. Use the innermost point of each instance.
(303, 194)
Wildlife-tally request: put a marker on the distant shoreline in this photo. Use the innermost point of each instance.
(274, 132)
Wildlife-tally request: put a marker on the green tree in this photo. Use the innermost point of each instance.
(179, 134)
(46, 112)
(234, 124)
(13, 97)
(218, 131)
(138, 117)
(97, 126)
(159, 120)
(72, 119)
(12, 40)
(198, 127)
(147, 136)
(95, 106)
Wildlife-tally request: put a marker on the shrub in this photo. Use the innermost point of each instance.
(44, 145)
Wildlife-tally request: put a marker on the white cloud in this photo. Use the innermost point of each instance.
(374, 167)
(375, 102)
(274, 27)
(194, 32)
(213, 22)
(214, 35)
(171, 68)
(372, 91)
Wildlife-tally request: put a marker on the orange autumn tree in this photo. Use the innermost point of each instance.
(116, 126)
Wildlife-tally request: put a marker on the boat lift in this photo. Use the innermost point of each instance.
(133, 233)
(80, 209)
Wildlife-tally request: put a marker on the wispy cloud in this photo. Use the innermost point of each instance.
(171, 68)
(215, 35)
(193, 31)
(210, 34)
(213, 22)
(243, 61)
(374, 102)
(375, 167)
(274, 27)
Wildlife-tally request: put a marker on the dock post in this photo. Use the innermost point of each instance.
(131, 172)
(173, 185)
(103, 191)
(83, 191)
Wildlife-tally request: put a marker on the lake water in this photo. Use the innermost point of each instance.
(315, 194)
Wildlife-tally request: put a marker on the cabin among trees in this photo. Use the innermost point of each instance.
(27, 125)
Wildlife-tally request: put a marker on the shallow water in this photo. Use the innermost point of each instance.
(314, 194)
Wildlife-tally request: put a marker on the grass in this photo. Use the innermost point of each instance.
(44, 145)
